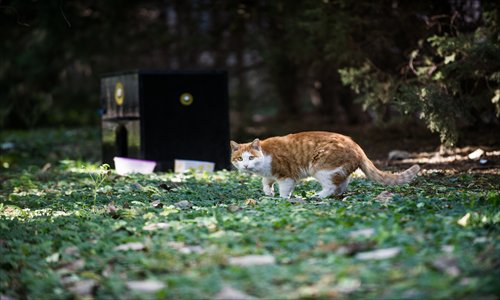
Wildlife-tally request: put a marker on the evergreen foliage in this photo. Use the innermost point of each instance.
(451, 78)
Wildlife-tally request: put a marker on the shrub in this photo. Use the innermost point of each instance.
(451, 79)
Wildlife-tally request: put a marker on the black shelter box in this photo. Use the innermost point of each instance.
(163, 116)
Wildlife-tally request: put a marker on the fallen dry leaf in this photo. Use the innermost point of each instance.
(112, 210)
(135, 246)
(250, 202)
(447, 248)
(184, 204)
(157, 204)
(252, 260)
(365, 232)
(54, 257)
(476, 154)
(480, 240)
(146, 286)
(346, 249)
(83, 287)
(72, 266)
(464, 221)
(348, 285)
(229, 293)
(355, 247)
(320, 289)
(155, 226)
(136, 186)
(398, 155)
(72, 250)
(46, 167)
(379, 254)
(296, 201)
(448, 265)
(191, 249)
(233, 208)
(385, 196)
(181, 247)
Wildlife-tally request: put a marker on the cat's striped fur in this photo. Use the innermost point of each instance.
(328, 157)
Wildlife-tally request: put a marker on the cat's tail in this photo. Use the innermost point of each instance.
(387, 178)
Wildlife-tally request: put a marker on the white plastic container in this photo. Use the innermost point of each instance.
(183, 165)
(125, 165)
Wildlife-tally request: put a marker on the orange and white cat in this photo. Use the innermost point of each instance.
(328, 157)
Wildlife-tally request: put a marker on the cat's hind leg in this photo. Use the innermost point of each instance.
(286, 186)
(342, 187)
(332, 182)
(267, 186)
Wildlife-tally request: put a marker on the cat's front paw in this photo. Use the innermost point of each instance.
(269, 193)
(321, 195)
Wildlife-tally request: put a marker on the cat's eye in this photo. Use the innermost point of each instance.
(251, 157)
(240, 158)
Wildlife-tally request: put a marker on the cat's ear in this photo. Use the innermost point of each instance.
(256, 144)
(234, 145)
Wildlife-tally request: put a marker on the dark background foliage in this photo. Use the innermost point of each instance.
(325, 62)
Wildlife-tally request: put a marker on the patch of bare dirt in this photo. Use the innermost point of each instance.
(454, 160)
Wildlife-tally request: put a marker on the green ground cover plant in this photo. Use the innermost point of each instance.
(192, 236)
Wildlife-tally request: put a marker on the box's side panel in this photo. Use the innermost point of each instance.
(142, 137)
(120, 116)
(185, 116)
(221, 139)
(120, 96)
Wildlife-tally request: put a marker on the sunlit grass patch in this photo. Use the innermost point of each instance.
(191, 235)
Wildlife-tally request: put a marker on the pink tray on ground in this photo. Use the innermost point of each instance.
(125, 165)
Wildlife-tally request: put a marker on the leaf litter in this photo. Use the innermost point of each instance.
(230, 293)
(379, 254)
(155, 226)
(145, 286)
(189, 250)
(132, 246)
(252, 260)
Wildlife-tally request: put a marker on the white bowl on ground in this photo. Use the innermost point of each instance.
(184, 165)
(125, 165)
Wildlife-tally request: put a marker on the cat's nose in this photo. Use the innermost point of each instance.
(245, 166)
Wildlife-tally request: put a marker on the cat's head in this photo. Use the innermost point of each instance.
(247, 157)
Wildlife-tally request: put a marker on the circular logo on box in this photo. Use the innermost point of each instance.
(119, 93)
(186, 99)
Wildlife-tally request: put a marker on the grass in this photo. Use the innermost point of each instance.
(55, 243)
